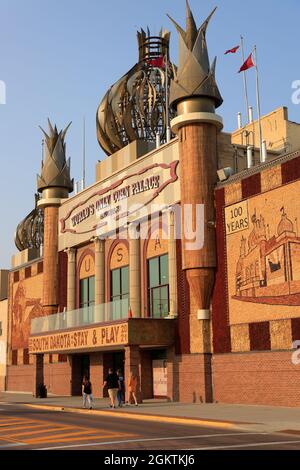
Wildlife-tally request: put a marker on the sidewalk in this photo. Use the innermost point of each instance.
(247, 417)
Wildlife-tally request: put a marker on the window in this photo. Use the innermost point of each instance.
(158, 286)
(87, 292)
(87, 298)
(1, 332)
(119, 291)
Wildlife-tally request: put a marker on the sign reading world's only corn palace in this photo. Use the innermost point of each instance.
(129, 194)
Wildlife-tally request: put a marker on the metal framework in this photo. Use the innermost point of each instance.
(135, 107)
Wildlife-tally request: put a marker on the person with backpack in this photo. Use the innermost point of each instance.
(87, 392)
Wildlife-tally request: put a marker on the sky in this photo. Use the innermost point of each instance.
(59, 57)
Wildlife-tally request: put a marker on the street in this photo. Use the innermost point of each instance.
(23, 428)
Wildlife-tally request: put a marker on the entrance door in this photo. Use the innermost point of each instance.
(85, 366)
(159, 367)
(118, 361)
(80, 368)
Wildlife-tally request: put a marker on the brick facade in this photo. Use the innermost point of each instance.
(189, 378)
(56, 378)
(262, 378)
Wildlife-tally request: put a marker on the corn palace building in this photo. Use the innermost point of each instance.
(160, 267)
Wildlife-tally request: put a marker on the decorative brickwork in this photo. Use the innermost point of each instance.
(296, 329)
(40, 267)
(191, 378)
(262, 378)
(260, 339)
(221, 330)
(25, 357)
(233, 193)
(240, 339)
(63, 270)
(281, 334)
(271, 178)
(290, 170)
(251, 186)
(27, 272)
(183, 326)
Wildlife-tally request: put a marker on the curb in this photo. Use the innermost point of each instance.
(144, 417)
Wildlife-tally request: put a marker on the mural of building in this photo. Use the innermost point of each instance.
(3, 326)
(111, 277)
(268, 268)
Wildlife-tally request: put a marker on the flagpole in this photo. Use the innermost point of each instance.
(83, 155)
(258, 104)
(167, 99)
(245, 81)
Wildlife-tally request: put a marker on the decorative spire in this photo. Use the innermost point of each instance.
(55, 168)
(194, 77)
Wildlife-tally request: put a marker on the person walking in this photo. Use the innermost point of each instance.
(121, 391)
(132, 388)
(87, 392)
(112, 384)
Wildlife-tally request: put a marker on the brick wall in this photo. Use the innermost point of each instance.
(146, 375)
(20, 378)
(97, 374)
(192, 378)
(261, 378)
(56, 377)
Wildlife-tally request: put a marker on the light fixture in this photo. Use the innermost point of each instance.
(225, 173)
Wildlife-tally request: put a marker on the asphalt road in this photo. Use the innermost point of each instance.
(24, 428)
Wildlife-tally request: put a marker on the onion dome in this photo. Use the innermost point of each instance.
(285, 225)
(30, 232)
(134, 108)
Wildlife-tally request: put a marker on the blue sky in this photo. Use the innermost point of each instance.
(58, 57)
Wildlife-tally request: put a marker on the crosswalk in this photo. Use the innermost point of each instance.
(17, 431)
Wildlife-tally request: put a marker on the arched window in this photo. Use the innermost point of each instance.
(87, 285)
(158, 274)
(158, 286)
(119, 280)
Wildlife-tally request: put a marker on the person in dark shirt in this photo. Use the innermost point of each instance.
(112, 384)
(121, 391)
(87, 392)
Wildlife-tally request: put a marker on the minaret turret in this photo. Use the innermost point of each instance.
(195, 96)
(54, 184)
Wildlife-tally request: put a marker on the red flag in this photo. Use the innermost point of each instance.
(248, 64)
(129, 313)
(233, 50)
(157, 62)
